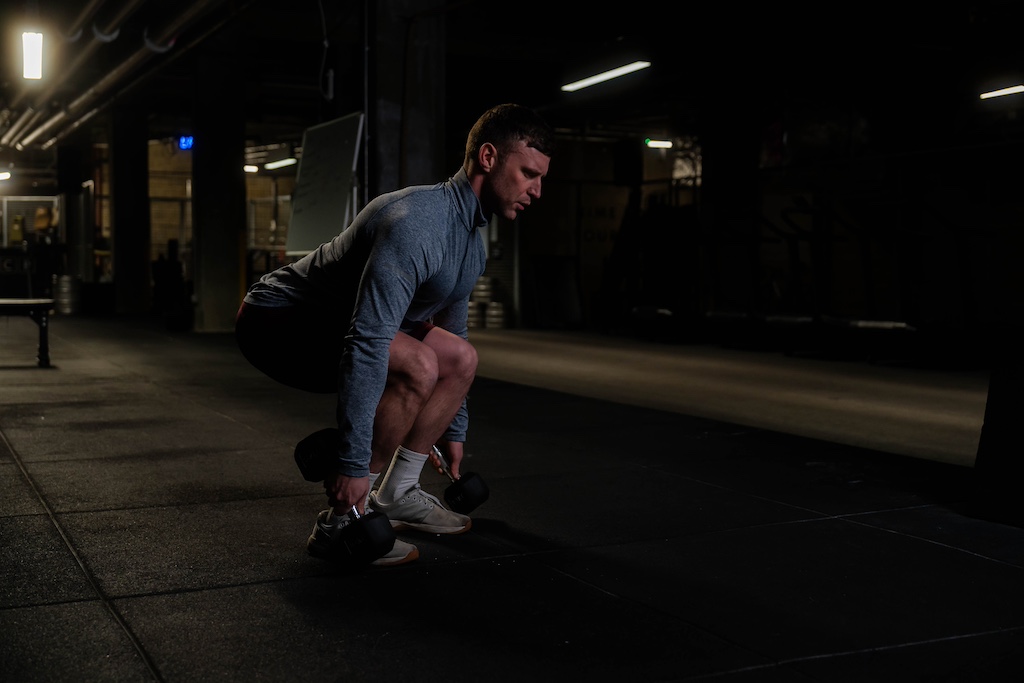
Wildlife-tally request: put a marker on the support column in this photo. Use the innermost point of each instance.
(129, 190)
(999, 465)
(407, 76)
(218, 192)
(730, 145)
(72, 172)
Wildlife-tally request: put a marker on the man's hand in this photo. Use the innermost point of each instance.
(344, 492)
(453, 452)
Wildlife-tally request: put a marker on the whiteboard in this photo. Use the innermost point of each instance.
(324, 199)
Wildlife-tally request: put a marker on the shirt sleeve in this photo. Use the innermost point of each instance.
(397, 264)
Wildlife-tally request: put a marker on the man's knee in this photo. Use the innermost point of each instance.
(464, 360)
(456, 357)
(414, 367)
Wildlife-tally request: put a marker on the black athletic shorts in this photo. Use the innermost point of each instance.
(299, 347)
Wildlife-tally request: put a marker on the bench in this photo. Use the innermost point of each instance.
(23, 290)
(39, 311)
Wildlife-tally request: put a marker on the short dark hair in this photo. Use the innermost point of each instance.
(507, 124)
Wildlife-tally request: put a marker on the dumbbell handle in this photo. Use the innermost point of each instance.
(465, 493)
(335, 513)
(444, 463)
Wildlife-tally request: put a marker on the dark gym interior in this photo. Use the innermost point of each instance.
(744, 403)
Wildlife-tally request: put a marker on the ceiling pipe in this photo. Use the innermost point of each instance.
(72, 35)
(87, 13)
(80, 121)
(28, 119)
(238, 8)
(16, 126)
(110, 26)
(165, 36)
(33, 117)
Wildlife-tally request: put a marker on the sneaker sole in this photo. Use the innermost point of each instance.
(321, 553)
(316, 550)
(393, 561)
(397, 525)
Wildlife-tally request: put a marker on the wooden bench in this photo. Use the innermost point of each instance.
(39, 311)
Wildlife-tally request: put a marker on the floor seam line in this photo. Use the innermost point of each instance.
(90, 579)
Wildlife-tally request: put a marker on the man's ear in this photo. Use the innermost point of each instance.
(487, 157)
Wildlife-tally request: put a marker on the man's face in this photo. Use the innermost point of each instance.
(515, 180)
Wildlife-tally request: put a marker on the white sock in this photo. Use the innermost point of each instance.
(373, 480)
(403, 473)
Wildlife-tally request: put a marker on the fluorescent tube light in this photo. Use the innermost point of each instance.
(248, 168)
(606, 76)
(32, 48)
(658, 144)
(5, 175)
(281, 163)
(1005, 91)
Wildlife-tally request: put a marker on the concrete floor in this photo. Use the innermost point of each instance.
(916, 411)
(658, 512)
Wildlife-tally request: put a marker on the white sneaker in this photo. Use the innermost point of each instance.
(320, 543)
(417, 509)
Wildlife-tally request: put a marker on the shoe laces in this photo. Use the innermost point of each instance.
(333, 522)
(417, 491)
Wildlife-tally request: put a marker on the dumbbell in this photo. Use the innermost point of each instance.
(366, 537)
(315, 454)
(466, 493)
(363, 540)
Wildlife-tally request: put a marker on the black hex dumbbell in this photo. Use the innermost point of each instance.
(466, 493)
(315, 454)
(364, 539)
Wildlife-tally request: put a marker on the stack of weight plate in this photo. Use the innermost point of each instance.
(482, 291)
(495, 315)
(68, 295)
(478, 301)
(475, 317)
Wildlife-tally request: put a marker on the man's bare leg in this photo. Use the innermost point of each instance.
(413, 374)
(427, 382)
(456, 363)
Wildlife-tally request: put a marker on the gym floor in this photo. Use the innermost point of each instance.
(658, 512)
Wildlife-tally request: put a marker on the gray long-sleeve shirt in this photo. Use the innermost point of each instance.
(409, 256)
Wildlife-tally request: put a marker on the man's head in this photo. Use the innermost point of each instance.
(507, 154)
(505, 125)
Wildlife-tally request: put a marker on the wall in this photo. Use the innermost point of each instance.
(590, 256)
(170, 182)
(170, 198)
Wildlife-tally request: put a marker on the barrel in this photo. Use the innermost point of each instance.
(68, 295)
(495, 316)
(475, 316)
(483, 290)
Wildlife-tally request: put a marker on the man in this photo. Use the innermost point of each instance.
(378, 315)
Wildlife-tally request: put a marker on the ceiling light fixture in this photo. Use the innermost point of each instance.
(280, 163)
(605, 76)
(32, 49)
(249, 168)
(658, 144)
(1005, 91)
(278, 156)
(5, 175)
